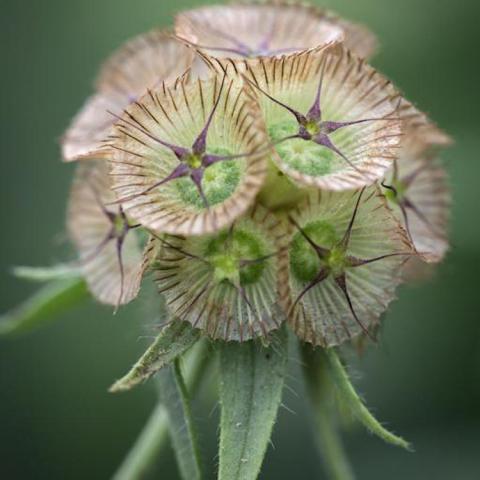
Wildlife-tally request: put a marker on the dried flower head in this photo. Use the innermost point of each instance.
(271, 28)
(290, 182)
(344, 260)
(417, 190)
(333, 118)
(226, 283)
(189, 159)
(110, 250)
(269, 178)
(142, 63)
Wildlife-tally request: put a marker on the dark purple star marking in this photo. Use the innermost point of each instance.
(350, 262)
(312, 127)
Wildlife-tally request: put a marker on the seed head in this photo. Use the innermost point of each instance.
(226, 283)
(273, 28)
(345, 254)
(142, 63)
(110, 250)
(332, 118)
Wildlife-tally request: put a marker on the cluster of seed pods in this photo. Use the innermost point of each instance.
(261, 169)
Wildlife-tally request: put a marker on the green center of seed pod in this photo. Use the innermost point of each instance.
(194, 160)
(235, 257)
(396, 193)
(304, 261)
(304, 156)
(219, 180)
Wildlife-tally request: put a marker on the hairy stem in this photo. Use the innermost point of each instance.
(352, 400)
(327, 436)
(151, 441)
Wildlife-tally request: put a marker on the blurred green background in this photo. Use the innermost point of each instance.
(57, 420)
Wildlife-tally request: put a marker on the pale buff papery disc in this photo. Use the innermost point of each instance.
(88, 227)
(186, 276)
(425, 197)
(421, 134)
(272, 28)
(351, 91)
(142, 63)
(322, 316)
(177, 115)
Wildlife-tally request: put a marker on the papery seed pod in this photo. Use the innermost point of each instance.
(422, 136)
(418, 192)
(110, 251)
(190, 159)
(344, 260)
(271, 28)
(226, 283)
(142, 63)
(332, 117)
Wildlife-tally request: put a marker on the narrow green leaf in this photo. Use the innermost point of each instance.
(327, 436)
(175, 339)
(47, 303)
(175, 399)
(351, 398)
(46, 274)
(251, 383)
(146, 450)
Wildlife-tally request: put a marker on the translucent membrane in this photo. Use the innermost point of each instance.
(226, 284)
(273, 28)
(342, 295)
(190, 158)
(144, 62)
(110, 253)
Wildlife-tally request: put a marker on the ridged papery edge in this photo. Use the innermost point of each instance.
(357, 37)
(297, 316)
(221, 215)
(348, 179)
(112, 93)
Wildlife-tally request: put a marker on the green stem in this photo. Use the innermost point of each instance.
(143, 454)
(151, 441)
(326, 432)
(355, 404)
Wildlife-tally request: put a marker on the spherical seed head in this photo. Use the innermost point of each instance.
(345, 254)
(110, 256)
(142, 63)
(350, 130)
(167, 186)
(226, 283)
(271, 28)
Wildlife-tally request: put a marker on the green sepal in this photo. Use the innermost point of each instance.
(47, 303)
(321, 393)
(251, 383)
(352, 400)
(174, 340)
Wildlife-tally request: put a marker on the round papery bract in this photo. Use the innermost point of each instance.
(203, 282)
(422, 188)
(351, 91)
(322, 315)
(142, 63)
(177, 115)
(88, 227)
(421, 134)
(271, 28)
